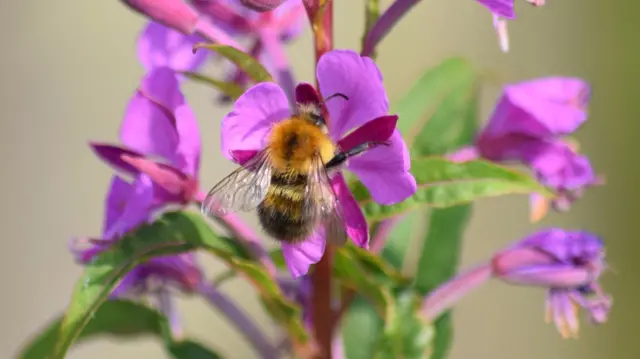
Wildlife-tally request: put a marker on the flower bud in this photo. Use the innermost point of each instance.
(174, 14)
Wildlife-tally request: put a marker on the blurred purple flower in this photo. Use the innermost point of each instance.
(158, 124)
(160, 45)
(528, 126)
(262, 5)
(127, 206)
(384, 170)
(501, 11)
(569, 264)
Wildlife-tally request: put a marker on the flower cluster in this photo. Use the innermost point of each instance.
(322, 164)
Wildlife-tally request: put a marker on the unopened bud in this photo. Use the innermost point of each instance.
(175, 14)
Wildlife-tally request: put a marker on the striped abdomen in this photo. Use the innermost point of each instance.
(281, 213)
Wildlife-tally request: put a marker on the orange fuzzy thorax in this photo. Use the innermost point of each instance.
(293, 142)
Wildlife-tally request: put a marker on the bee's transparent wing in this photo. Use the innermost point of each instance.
(242, 190)
(322, 205)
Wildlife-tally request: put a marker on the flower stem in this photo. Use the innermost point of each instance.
(166, 305)
(238, 318)
(445, 296)
(235, 225)
(385, 23)
(322, 314)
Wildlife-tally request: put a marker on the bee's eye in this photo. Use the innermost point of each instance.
(317, 119)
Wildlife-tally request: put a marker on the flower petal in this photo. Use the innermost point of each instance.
(112, 155)
(559, 167)
(147, 128)
(169, 178)
(299, 257)
(247, 125)
(541, 108)
(160, 46)
(377, 130)
(384, 170)
(161, 86)
(119, 193)
(504, 8)
(306, 93)
(356, 224)
(189, 146)
(135, 210)
(357, 77)
(556, 276)
(243, 156)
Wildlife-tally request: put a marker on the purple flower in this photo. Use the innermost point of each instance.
(384, 170)
(501, 11)
(127, 206)
(528, 125)
(158, 123)
(569, 264)
(160, 45)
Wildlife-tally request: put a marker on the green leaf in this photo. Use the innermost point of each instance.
(172, 233)
(115, 318)
(244, 61)
(375, 266)
(226, 87)
(406, 333)
(188, 349)
(350, 273)
(443, 183)
(361, 329)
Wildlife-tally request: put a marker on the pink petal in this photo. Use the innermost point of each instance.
(503, 8)
(357, 77)
(247, 125)
(356, 224)
(384, 170)
(299, 257)
(378, 130)
(306, 93)
(189, 146)
(112, 155)
(161, 86)
(166, 176)
(136, 209)
(119, 191)
(556, 276)
(148, 129)
(160, 46)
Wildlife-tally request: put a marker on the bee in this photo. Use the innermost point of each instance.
(289, 181)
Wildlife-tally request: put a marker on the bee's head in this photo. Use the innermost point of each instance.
(313, 111)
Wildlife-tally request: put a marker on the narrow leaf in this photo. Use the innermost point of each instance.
(443, 183)
(115, 318)
(228, 88)
(172, 233)
(247, 63)
(361, 329)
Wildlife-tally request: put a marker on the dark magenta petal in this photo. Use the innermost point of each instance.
(306, 93)
(356, 224)
(243, 156)
(112, 155)
(377, 130)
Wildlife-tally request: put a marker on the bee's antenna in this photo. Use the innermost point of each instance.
(337, 94)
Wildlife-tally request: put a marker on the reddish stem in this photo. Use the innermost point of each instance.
(321, 312)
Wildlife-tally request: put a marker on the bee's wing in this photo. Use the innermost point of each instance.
(322, 205)
(242, 190)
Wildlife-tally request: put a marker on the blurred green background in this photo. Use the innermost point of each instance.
(68, 68)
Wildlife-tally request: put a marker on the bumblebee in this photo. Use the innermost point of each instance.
(289, 181)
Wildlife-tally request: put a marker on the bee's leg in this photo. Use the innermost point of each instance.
(341, 157)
